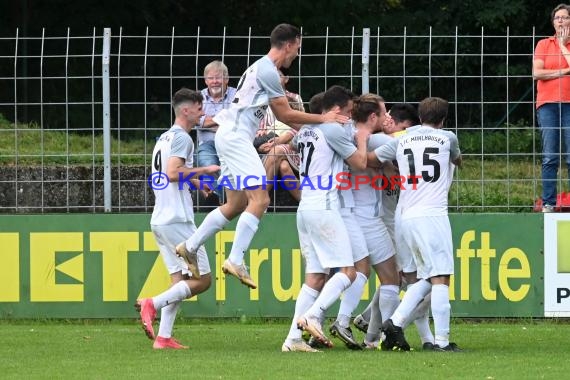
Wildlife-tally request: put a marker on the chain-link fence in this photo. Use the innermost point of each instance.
(58, 93)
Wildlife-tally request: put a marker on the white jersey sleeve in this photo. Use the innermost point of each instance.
(258, 84)
(368, 196)
(454, 146)
(338, 139)
(387, 152)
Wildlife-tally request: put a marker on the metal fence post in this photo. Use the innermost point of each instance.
(106, 120)
(365, 60)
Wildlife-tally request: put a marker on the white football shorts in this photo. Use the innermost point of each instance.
(239, 161)
(167, 237)
(324, 240)
(357, 239)
(429, 240)
(378, 240)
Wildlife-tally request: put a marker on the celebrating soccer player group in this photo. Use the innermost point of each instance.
(402, 232)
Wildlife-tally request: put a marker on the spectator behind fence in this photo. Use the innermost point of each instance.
(551, 66)
(272, 143)
(217, 96)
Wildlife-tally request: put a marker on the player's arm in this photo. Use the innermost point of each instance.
(454, 152)
(209, 122)
(372, 160)
(382, 154)
(457, 161)
(176, 169)
(295, 119)
(357, 160)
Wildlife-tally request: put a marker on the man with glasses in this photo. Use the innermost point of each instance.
(217, 96)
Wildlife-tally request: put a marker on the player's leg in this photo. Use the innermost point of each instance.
(350, 299)
(183, 285)
(169, 302)
(351, 296)
(307, 296)
(420, 317)
(382, 258)
(408, 240)
(362, 320)
(331, 243)
(440, 264)
(315, 276)
(248, 222)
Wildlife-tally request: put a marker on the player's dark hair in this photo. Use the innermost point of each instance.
(401, 112)
(185, 95)
(284, 33)
(316, 103)
(336, 96)
(433, 111)
(365, 105)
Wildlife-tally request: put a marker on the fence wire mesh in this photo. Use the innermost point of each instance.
(52, 101)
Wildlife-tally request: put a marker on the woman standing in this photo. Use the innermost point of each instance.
(551, 69)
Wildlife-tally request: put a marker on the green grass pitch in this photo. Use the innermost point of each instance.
(524, 349)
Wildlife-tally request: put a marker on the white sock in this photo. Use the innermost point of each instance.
(424, 331)
(420, 311)
(441, 312)
(212, 223)
(367, 313)
(420, 317)
(350, 299)
(415, 293)
(167, 317)
(331, 292)
(176, 293)
(306, 298)
(375, 322)
(245, 229)
(389, 300)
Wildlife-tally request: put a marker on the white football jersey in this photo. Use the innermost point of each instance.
(259, 83)
(345, 196)
(323, 149)
(366, 197)
(171, 205)
(425, 157)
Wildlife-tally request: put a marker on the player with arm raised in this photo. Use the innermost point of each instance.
(258, 88)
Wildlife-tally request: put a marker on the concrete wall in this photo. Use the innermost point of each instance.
(32, 189)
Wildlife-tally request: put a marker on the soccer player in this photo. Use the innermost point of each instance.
(401, 117)
(173, 218)
(369, 113)
(323, 237)
(426, 157)
(258, 88)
